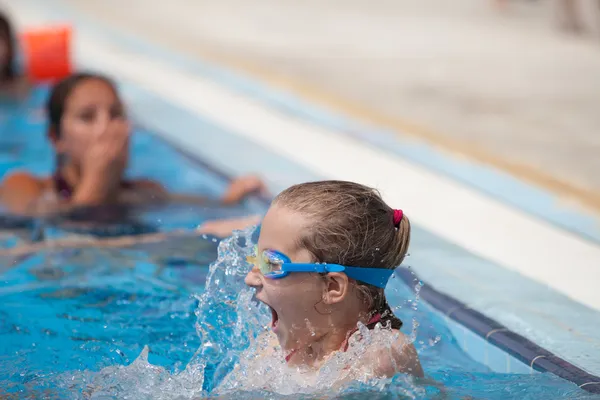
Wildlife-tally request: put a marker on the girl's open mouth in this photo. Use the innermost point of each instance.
(274, 318)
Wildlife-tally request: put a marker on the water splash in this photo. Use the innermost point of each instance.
(227, 318)
(139, 380)
(230, 324)
(236, 358)
(221, 325)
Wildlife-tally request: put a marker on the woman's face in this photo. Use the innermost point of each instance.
(88, 110)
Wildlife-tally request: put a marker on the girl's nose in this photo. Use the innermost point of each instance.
(253, 278)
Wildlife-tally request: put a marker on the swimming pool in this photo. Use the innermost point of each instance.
(69, 319)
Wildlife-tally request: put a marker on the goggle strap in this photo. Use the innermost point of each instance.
(318, 268)
(373, 276)
(377, 277)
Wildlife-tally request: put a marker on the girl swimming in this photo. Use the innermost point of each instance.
(324, 256)
(89, 130)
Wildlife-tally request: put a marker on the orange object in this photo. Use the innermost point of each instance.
(47, 53)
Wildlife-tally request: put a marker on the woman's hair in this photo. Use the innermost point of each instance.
(351, 225)
(7, 72)
(55, 107)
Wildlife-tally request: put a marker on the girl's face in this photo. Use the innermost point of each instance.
(296, 301)
(87, 113)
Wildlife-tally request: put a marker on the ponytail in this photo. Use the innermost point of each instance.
(375, 297)
(387, 316)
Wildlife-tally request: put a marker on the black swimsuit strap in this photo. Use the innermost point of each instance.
(62, 187)
(65, 191)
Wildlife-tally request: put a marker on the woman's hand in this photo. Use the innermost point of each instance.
(108, 151)
(242, 187)
(104, 164)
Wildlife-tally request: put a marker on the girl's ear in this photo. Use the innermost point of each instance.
(337, 286)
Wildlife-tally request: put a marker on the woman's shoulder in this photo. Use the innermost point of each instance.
(23, 180)
(19, 189)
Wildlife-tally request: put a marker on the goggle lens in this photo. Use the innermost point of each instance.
(269, 262)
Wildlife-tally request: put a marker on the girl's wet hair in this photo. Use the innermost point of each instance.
(55, 107)
(351, 225)
(7, 73)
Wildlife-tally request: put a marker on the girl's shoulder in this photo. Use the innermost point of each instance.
(390, 352)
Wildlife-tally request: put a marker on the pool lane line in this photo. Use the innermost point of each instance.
(517, 346)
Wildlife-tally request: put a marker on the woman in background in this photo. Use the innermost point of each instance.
(90, 133)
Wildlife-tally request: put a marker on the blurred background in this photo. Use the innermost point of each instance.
(513, 83)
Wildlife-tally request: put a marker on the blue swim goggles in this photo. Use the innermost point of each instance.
(275, 265)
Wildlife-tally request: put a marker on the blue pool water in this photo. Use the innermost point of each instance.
(78, 323)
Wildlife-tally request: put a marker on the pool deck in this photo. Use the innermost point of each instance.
(530, 261)
(504, 89)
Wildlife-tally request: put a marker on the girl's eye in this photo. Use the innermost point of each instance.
(274, 264)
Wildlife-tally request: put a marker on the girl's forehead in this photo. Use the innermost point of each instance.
(281, 230)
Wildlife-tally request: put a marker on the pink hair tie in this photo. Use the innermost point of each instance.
(398, 214)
